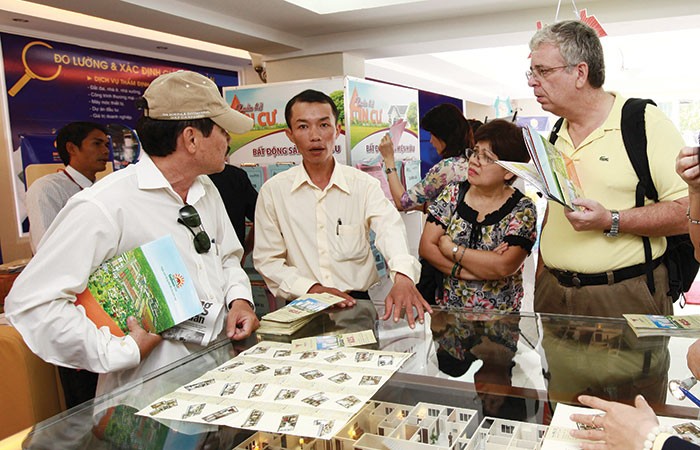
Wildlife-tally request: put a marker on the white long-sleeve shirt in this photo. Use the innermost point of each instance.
(123, 211)
(47, 196)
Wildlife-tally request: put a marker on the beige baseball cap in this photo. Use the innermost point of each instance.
(185, 95)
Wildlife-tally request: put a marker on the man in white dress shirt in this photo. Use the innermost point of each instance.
(84, 149)
(313, 221)
(184, 134)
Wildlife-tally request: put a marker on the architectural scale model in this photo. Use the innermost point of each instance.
(382, 425)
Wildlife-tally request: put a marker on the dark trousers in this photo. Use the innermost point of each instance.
(78, 385)
(615, 367)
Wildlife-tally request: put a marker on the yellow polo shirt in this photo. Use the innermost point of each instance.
(607, 176)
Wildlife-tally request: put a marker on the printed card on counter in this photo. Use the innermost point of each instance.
(269, 388)
(332, 342)
(559, 437)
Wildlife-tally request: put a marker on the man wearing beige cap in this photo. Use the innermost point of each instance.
(184, 134)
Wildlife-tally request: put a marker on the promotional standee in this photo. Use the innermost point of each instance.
(50, 84)
(371, 109)
(367, 110)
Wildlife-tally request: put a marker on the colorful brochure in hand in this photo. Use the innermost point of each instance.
(396, 131)
(150, 283)
(551, 172)
(653, 325)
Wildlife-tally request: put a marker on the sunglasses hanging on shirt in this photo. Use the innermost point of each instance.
(189, 217)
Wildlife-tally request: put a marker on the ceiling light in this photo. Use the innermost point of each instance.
(326, 7)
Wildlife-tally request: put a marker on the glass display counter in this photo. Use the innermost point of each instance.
(510, 368)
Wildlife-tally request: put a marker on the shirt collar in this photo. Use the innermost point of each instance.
(614, 120)
(78, 177)
(611, 123)
(150, 177)
(338, 178)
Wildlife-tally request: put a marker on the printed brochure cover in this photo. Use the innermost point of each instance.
(655, 325)
(150, 283)
(556, 172)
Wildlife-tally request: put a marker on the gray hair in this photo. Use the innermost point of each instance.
(577, 42)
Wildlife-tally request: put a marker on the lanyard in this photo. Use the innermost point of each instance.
(71, 178)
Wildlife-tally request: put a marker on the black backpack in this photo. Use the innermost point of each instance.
(680, 254)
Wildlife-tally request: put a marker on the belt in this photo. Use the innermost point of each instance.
(359, 295)
(573, 279)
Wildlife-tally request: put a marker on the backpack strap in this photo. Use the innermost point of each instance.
(634, 137)
(554, 134)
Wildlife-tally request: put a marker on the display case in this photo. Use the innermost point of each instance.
(474, 378)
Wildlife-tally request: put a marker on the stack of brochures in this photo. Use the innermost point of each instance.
(652, 325)
(296, 315)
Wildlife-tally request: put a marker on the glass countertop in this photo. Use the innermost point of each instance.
(515, 366)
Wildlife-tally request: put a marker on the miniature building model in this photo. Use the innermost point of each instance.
(426, 426)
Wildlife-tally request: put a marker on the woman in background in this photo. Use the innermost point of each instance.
(480, 231)
(451, 135)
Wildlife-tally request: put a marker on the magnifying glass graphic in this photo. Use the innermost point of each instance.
(680, 389)
(28, 73)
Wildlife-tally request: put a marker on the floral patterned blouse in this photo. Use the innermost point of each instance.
(446, 171)
(514, 222)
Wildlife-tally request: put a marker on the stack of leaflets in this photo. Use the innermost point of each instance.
(298, 313)
(150, 283)
(651, 325)
(551, 172)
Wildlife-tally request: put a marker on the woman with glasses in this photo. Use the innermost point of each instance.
(451, 134)
(480, 231)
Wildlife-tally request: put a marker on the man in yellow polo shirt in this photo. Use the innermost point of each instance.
(593, 257)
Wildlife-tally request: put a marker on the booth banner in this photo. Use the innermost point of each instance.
(50, 84)
(371, 109)
(267, 143)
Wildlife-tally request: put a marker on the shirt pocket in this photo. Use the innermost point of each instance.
(351, 243)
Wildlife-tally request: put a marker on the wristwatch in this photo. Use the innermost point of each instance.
(388, 170)
(454, 253)
(615, 225)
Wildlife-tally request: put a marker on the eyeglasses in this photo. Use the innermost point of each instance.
(189, 217)
(481, 156)
(542, 72)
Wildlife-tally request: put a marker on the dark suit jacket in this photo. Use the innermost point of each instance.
(239, 197)
(674, 443)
